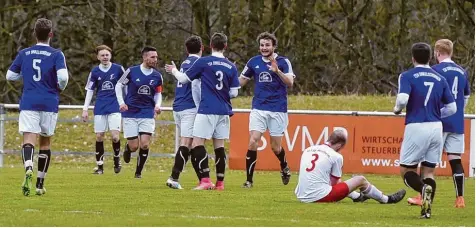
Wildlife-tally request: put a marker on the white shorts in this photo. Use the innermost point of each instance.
(110, 122)
(422, 142)
(38, 122)
(211, 126)
(453, 143)
(184, 121)
(132, 126)
(276, 122)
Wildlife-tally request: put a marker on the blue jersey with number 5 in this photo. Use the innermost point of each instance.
(38, 66)
(457, 79)
(218, 76)
(427, 91)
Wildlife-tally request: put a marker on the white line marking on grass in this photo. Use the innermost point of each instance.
(83, 212)
(31, 210)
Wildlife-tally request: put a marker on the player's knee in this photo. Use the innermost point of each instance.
(253, 145)
(361, 180)
(144, 147)
(115, 138)
(99, 137)
(133, 146)
(454, 156)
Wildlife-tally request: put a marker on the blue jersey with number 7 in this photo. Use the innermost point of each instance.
(38, 66)
(218, 76)
(457, 79)
(427, 91)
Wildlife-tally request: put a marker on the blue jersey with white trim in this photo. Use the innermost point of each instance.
(270, 93)
(457, 79)
(218, 75)
(38, 66)
(183, 92)
(104, 83)
(427, 91)
(140, 89)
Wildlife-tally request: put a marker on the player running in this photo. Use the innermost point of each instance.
(103, 78)
(44, 73)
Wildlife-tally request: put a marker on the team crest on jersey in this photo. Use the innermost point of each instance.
(265, 77)
(144, 90)
(112, 76)
(107, 85)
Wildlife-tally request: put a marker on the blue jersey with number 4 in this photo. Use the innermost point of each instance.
(218, 75)
(38, 66)
(427, 91)
(183, 92)
(457, 79)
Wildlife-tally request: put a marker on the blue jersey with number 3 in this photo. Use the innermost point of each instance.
(218, 76)
(457, 79)
(38, 66)
(427, 91)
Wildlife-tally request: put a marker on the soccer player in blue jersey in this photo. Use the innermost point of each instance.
(423, 92)
(453, 126)
(219, 83)
(272, 74)
(103, 79)
(44, 73)
(187, 97)
(140, 106)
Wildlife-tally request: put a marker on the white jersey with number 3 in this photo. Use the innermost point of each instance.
(318, 164)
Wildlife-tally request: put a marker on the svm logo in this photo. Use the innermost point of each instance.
(307, 138)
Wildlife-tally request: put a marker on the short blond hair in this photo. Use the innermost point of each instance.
(103, 47)
(444, 46)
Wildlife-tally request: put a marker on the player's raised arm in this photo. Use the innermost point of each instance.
(404, 89)
(180, 76)
(62, 71)
(449, 103)
(287, 75)
(119, 86)
(13, 72)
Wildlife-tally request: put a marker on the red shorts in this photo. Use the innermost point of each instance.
(338, 193)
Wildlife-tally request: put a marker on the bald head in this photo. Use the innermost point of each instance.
(339, 136)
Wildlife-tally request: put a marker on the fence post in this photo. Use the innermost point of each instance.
(2, 132)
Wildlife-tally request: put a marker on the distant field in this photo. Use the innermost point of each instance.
(80, 136)
(75, 197)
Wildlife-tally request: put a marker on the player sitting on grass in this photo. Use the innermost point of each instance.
(320, 172)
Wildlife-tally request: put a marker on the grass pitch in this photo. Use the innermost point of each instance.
(75, 197)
